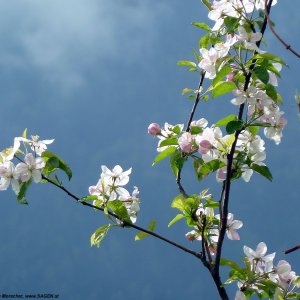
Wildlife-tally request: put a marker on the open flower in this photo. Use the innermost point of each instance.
(31, 168)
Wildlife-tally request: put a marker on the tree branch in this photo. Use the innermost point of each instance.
(125, 223)
(287, 46)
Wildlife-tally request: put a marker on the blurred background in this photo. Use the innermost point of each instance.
(93, 74)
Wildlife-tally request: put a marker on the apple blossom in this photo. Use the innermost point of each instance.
(31, 168)
(154, 129)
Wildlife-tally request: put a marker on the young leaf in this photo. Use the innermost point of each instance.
(233, 126)
(99, 235)
(207, 4)
(211, 166)
(262, 170)
(225, 121)
(174, 220)
(262, 74)
(118, 207)
(177, 161)
(178, 202)
(21, 197)
(221, 74)
(55, 162)
(165, 153)
(269, 56)
(222, 87)
(88, 198)
(143, 234)
(186, 63)
(201, 25)
(169, 141)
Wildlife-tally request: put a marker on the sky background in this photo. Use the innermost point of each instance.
(93, 74)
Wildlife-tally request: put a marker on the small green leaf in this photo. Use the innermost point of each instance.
(262, 170)
(56, 161)
(262, 74)
(231, 264)
(178, 202)
(143, 234)
(253, 129)
(234, 126)
(88, 198)
(222, 87)
(24, 134)
(118, 207)
(205, 41)
(221, 74)
(186, 90)
(269, 56)
(201, 25)
(225, 121)
(174, 220)
(99, 235)
(211, 166)
(186, 63)
(231, 24)
(195, 130)
(21, 197)
(176, 129)
(165, 153)
(177, 161)
(169, 141)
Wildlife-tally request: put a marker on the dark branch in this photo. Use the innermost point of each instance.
(124, 223)
(287, 46)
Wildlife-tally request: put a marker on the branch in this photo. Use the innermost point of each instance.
(287, 46)
(230, 158)
(125, 223)
(292, 249)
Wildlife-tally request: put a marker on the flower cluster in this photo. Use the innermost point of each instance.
(261, 269)
(110, 187)
(29, 167)
(208, 224)
(210, 144)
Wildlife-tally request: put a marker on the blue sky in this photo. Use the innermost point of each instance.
(93, 74)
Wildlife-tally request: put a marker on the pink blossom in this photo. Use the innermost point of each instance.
(154, 129)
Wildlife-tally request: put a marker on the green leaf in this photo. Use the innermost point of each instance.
(221, 74)
(262, 170)
(165, 153)
(201, 25)
(262, 74)
(225, 121)
(99, 235)
(88, 198)
(169, 141)
(272, 93)
(21, 197)
(222, 87)
(177, 161)
(186, 63)
(207, 4)
(205, 41)
(187, 90)
(176, 129)
(174, 220)
(54, 160)
(178, 202)
(24, 134)
(118, 207)
(231, 264)
(231, 24)
(269, 56)
(143, 234)
(253, 129)
(234, 126)
(211, 166)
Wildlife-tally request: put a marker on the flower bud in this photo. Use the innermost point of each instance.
(154, 129)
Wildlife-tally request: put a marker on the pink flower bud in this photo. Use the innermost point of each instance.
(230, 77)
(154, 129)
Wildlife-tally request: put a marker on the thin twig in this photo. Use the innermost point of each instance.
(287, 46)
(292, 249)
(124, 223)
